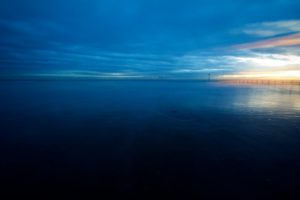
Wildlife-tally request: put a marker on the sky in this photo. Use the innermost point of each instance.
(150, 39)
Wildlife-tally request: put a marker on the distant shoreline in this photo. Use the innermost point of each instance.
(225, 81)
(260, 82)
(95, 79)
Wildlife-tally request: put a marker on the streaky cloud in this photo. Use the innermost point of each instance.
(269, 29)
(284, 41)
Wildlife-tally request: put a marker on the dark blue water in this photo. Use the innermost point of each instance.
(150, 139)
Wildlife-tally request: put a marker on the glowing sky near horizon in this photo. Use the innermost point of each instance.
(150, 38)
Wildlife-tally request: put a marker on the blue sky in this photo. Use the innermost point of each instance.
(148, 38)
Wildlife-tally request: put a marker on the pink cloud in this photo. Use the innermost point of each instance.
(290, 40)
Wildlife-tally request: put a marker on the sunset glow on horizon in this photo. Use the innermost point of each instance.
(276, 75)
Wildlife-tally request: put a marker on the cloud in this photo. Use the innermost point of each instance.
(276, 63)
(275, 57)
(269, 29)
(205, 70)
(284, 41)
(85, 74)
(264, 60)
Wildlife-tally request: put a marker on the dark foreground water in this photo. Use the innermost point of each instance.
(150, 139)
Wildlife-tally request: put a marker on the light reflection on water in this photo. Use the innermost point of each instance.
(279, 98)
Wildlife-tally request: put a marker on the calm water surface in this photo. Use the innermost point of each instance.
(151, 138)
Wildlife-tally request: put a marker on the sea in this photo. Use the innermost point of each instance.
(150, 139)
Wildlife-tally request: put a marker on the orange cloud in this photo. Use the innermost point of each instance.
(290, 40)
